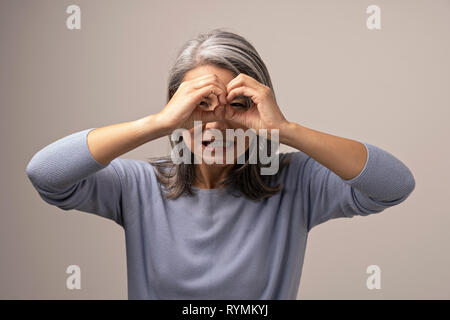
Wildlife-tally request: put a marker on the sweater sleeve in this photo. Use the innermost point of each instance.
(384, 181)
(66, 175)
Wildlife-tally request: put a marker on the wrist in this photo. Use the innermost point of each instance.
(154, 126)
(163, 125)
(288, 132)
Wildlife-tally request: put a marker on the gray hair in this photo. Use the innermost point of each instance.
(231, 51)
(220, 48)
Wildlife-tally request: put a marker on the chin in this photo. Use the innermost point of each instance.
(209, 158)
(210, 161)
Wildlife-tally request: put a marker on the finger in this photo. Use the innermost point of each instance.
(189, 84)
(205, 76)
(203, 81)
(215, 101)
(223, 98)
(206, 91)
(245, 91)
(212, 79)
(215, 79)
(230, 84)
(243, 79)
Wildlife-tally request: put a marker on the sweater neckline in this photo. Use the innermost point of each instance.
(209, 191)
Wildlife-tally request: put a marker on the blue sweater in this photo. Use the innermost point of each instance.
(213, 245)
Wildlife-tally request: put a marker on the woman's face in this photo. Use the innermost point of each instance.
(206, 150)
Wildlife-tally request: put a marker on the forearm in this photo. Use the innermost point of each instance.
(109, 142)
(345, 157)
(74, 157)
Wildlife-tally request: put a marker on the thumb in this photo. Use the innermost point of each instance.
(215, 115)
(230, 114)
(234, 116)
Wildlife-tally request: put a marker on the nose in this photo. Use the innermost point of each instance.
(219, 125)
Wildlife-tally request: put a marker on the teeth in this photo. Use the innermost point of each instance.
(220, 144)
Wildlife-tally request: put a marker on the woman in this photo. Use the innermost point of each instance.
(217, 231)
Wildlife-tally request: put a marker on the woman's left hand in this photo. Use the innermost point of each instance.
(264, 112)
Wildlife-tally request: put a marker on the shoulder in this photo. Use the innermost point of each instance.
(293, 160)
(290, 166)
(301, 167)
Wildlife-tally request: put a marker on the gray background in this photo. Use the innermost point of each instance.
(388, 87)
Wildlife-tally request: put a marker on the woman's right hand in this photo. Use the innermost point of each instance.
(185, 105)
